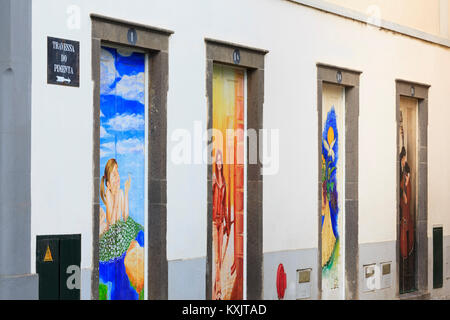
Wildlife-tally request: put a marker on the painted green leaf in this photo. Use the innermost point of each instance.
(102, 292)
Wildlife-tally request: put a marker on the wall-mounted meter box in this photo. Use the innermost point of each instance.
(386, 275)
(303, 285)
(370, 278)
(58, 260)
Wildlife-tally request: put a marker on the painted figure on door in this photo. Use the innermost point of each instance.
(407, 261)
(114, 198)
(117, 204)
(406, 225)
(330, 205)
(221, 221)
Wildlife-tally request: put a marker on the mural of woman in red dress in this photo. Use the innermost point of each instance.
(406, 225)
(228, 185)
(407, 279)
(221, 220)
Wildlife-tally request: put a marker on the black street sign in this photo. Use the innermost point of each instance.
(63, 62)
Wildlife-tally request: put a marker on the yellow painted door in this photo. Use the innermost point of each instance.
(332, 231)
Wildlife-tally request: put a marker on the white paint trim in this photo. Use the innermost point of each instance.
(364, 18)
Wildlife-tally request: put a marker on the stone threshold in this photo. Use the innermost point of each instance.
(416, 295)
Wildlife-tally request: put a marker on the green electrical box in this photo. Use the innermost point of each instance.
(58, 261)
(438, 263)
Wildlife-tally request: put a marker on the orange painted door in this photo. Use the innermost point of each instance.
(228, 183)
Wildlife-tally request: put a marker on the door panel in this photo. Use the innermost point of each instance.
(332, 232)
(70, 257)
(47, 266)
(122, 183)
(228, 183)
(407, 189)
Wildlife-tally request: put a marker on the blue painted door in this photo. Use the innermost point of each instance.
(122, 175)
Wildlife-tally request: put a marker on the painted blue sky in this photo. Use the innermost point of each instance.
(122, 121)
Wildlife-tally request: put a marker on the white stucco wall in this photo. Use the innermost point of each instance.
(297, 38)
(417, 14)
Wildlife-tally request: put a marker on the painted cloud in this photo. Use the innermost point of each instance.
(131, 88)
(128, 87)
(104, 133)
(127, 146)
(108, 71)
(126, 122)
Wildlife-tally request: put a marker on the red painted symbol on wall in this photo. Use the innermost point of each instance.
(281, 282)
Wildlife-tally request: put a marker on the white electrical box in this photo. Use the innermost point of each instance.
(370, 278)
(303, 284)
(386, 275)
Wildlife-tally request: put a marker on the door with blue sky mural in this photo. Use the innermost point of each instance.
(122, 175)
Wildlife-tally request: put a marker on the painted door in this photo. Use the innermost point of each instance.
(332, 231)
(122, 175)
(228, 183)
(407, 193)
